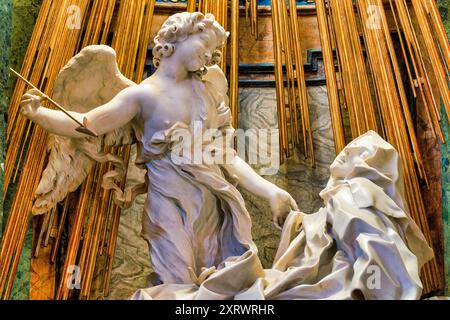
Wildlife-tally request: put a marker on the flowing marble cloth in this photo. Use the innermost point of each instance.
(361, 245)
(194, 217)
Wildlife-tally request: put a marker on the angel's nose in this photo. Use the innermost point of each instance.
(208, 56)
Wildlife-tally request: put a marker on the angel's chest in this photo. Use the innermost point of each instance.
(179, 106)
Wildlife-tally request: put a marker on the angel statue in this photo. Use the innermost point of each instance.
(195, 219)
(361, 244)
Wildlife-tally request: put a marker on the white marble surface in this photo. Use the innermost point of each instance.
(257, 110)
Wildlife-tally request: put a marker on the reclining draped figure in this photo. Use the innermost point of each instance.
(195, 221)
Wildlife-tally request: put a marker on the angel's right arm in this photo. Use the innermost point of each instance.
(108, 117)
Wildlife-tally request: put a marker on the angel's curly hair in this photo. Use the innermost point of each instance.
(179, 26)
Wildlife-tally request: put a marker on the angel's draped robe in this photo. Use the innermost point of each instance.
(194, 216)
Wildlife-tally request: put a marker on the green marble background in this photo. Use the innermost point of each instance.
(15, 33)
(5, 41)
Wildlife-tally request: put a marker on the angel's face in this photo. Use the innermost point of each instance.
(197, 51)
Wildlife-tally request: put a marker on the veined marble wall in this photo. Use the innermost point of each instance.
(257, 110)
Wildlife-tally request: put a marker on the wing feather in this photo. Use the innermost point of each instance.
(90, 79)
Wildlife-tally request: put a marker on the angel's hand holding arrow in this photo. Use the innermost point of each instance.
(30, 103)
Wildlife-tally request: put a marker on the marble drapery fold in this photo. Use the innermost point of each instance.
(194, 218)
(361, 245)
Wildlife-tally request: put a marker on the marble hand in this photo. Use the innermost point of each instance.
(281, 203)
(31, 102)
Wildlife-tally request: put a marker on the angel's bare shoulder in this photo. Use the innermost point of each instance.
(145, 94)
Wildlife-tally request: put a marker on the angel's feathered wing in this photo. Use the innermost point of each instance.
(90, 79)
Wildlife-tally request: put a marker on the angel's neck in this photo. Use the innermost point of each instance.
(172, 71)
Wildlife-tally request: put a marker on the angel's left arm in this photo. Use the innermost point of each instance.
(252, 181)
(281, 202)
(108, 117)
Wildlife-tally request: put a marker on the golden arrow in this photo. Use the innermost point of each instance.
(83, 127)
